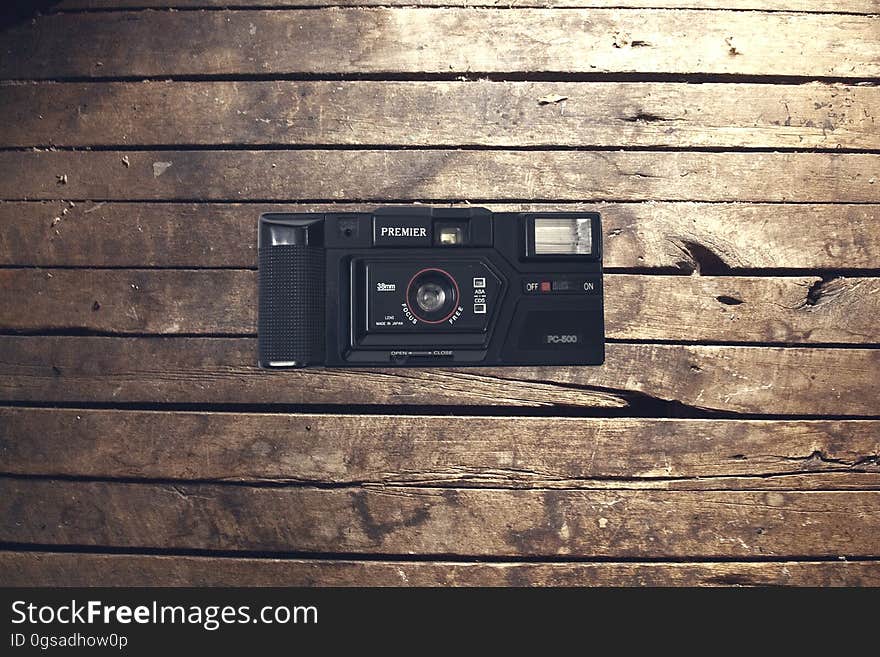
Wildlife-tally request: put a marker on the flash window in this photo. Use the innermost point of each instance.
(572, 236)
(563, 236)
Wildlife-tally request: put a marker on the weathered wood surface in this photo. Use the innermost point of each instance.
(404, 40)
(83, 569)
(799, 309)
(846, 6)
(455, 175)
(778, 380)
(532, 452)
(259, 464)
(710, 237)
(460, 113)
(442, 521)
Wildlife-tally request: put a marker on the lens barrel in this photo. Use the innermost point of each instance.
(432, 295)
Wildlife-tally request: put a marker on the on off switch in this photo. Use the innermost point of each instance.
(563, 285)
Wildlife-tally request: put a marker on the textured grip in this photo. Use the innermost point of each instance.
(291, 320)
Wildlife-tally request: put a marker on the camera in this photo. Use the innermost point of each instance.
(420, 286)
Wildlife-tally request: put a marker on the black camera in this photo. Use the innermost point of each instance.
(420, 286)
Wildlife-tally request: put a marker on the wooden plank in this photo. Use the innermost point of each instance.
(60, 569)
(712, 237)
(404, 40)
(533, 452)
(447, 521)
(777, 380)
(132, 301)
(847, 6)
(461, 113)
(438, 175)
(793, 310)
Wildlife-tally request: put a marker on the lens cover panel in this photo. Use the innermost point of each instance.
(455, 295)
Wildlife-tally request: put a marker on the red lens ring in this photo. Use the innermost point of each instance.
(454, 306)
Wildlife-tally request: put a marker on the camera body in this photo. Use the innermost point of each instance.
(419, 286)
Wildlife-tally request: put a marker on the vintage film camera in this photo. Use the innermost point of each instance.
(420, 286)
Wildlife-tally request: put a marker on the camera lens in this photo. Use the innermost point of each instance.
(432, 295)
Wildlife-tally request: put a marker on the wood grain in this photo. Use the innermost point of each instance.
(59, 569)
(778, 380)
(528, 452)
(480, 113)
(712, 237)
(438, 175)
(448, 521)
(848, 6)
(359, 104)
(800, 309)
(404, 40)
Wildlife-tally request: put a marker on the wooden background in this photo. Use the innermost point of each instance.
(732, 437)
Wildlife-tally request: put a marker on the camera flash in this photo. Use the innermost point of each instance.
(559, 236)
(450, 235)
